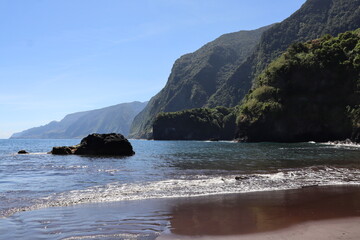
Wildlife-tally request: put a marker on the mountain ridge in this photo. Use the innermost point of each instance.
(116, 118)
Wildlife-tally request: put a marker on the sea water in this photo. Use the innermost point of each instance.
(38, 189)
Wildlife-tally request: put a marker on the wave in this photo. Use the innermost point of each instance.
(340, 144)
(200, 185)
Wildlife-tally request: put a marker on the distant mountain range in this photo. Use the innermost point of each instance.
(117, 118)
(222, 72)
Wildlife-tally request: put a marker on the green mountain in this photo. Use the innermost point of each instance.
(314, 19)
(311, 92)
(197, 76)
(117, 118)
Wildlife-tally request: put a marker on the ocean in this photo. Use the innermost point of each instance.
(44, 196)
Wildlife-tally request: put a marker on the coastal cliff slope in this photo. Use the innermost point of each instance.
(195, 77)
(314, 19)
(310, 93)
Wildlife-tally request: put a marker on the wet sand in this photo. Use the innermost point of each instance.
(309, 213)
(347, 228)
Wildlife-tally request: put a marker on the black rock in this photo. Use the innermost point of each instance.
(105, 144)
(99, 144)
(62, 150)
(241, 178)
(22, 152)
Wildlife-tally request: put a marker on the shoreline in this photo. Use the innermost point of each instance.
(329, 212)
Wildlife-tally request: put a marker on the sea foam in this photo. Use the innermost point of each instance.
(201, 185)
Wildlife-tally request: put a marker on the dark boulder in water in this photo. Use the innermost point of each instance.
(64, 150)
(99, 144)
(22, 152)
(105, 144)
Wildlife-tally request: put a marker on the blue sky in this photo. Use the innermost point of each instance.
(65, 56)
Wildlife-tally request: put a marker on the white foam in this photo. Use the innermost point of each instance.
(201, 185)
(205, 185)
(345, 144)
(30, 153)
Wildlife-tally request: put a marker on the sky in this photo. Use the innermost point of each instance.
(65, 56)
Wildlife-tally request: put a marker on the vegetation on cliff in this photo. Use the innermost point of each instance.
(196, 124)
(311, 92)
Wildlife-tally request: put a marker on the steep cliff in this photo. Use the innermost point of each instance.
(195, 77)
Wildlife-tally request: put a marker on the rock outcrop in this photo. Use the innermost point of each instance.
(99, 144)
(22, 152)
(64, 150)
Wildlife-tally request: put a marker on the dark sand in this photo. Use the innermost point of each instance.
(345, 229)
(309, 213)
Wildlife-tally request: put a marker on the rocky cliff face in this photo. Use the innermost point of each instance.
(116, 118)
(196, 77)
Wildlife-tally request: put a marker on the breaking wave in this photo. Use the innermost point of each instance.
(201, 185)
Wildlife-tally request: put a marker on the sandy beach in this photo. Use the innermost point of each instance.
(347, 228)
(331, 212)
(310, 213)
